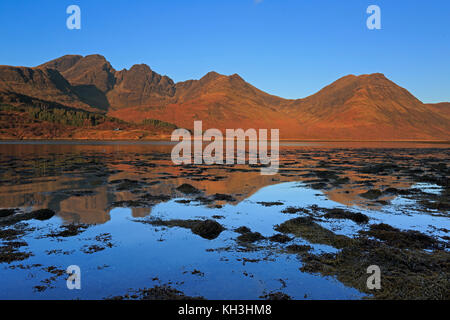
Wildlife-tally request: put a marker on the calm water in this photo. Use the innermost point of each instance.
(116, 188)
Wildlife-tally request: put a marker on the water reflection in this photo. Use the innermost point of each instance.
(84, 182)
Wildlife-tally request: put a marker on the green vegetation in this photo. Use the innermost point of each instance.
(61, 115)
(159, 123)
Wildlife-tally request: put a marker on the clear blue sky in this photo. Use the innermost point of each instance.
(290, 48)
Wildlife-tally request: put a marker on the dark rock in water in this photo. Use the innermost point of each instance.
(270, 203)
(306, 228)
(127, 184)
(223, 197)
(319, 186)
(6, 212)
(69, 230)
(43, 214)
(326, 174)
(343, 214)
(208, 229)
(276, 296)
(158, 293)
(186, 188)
(371, 194)
(293, 210)
(391, 191)
(281, 238)
(297, 248)
(401, 239)
(250, 237)
(242, 230)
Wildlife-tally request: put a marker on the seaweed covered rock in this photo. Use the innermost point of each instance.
(208, 229)
(372, 194)
(42, 214)
(186, 188)
(401, 239)
(343, 214)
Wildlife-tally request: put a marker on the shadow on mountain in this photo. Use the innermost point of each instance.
(92, 96)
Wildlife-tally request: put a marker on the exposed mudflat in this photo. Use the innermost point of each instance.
(140, 227)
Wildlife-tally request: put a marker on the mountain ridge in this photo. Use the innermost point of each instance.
(367, 107)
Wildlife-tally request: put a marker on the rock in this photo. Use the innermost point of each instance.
(281, 238)
(343, 214)
(42, 214)
(208, 229)
(250, 237)
(223, 197)
(242, 230)
(187, 189)
(6, 212)
(371, 194)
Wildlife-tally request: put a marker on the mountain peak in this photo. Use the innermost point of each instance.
(62, 63)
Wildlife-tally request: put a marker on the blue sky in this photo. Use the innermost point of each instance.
(290, 48)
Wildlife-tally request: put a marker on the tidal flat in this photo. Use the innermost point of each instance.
(140, 227)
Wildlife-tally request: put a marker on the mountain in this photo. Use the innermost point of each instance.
(364, 107)
(91, 77)
(443, 109)
(368, 107)
(37, 86)
(219, 101)
(140, 86)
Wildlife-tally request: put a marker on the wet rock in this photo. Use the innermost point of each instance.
(270, 204)
(186, 188)
(293, 210)
(154, 198)
(343, 214)
(318, 186)
(7, 212)
(242, 230)
(69, 230)
(127, 184)
(250, 237)
(223, 197)
(204, 200)
(406, 274)
(183, 201)
(43, 214)
(340, 181)
(276, 296)
(326, 174)
(9, 252)
(306, 228)
(395, 191)
(208, 229)
(158, 293)
(281, 238)
(9, 234)
(401, 239)
(296, 248)
(371, 194)
(379, 168)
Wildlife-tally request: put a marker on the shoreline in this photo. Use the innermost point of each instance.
(10, 141)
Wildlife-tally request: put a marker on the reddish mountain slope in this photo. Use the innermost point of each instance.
(140, 86)
(219, 101)
(366, 107)
(442, 109)
(92, 70)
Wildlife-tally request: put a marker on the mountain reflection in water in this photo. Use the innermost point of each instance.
(83, 182)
